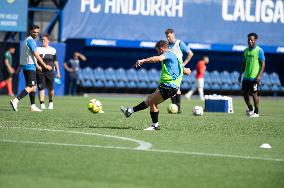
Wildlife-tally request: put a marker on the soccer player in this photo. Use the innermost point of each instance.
(170, 80)
(8, 70)
(200, 71)
(45, 78)
(178, 47)
(73, 66)
(28, 62)
(253, 67)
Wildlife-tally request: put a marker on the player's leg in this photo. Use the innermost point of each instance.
(10, 86)
(41, 84)
(176, 100)
(32, 94)
(5, 75)
(246, 92)
(14, 102)
(191, 92)
(50, 88)
(3, 84)
(255, 99)
(200, 86)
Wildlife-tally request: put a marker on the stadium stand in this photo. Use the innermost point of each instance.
(133, 80)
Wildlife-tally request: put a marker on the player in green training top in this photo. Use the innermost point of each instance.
(171, 76)
(253, 67)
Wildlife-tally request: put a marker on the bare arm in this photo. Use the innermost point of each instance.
(66, 67)
(153, 59)
(81, 56)
(262, 66)
(188, 58)
(57, 69)
(40, 60)
(10, 69)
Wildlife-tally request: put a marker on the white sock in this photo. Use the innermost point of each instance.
(155, 124)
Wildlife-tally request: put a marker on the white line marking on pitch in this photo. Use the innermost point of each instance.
(143, 146)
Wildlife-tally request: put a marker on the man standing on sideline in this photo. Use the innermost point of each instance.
(199, 84)
(73, 66)
(8, 71)
(178, 47)
(253, 67)
(45, 78)
(28, 62)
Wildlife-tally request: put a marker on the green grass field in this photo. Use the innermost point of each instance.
(71, 147)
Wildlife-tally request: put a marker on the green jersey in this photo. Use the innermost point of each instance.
(253, 59)
(172, 70)
(8, 56)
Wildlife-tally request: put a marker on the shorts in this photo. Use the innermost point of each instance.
(6, 74)
(199, 82)
(30, 77)
(167, 91)
(250, 85)
(45, 80)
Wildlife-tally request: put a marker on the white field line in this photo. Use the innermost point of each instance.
(141, 144)
(139, 148)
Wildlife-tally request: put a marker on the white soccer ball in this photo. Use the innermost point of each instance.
(95, 106)
(172, 109)
(197, 111)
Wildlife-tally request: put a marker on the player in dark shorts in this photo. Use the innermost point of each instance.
(253, 67)
(8, 70)
(45, 78)
(171, 76)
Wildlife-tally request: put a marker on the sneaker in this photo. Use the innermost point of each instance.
(152, 128)
(42, 106)
(126, 111)
(14, 104)
(50, 106)
(249, 113)
(35, 109)
(254, 115)
(101, 112)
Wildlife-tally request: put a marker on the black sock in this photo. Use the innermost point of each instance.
(141, 106)
(174, 99)
(250, 107)
(41, 102)
(32, 97)
(178, 101)
(154, 116)
(50, 100)
(22, 94)
(256, 110)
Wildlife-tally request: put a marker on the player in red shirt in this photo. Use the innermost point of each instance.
(200, 71)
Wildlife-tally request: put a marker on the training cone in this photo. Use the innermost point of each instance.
(265, 146)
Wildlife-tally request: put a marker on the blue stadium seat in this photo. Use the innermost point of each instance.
(215, 77)
(215, 86)
(87, 83)
(207, 86)
(142, 84)
(234, 77)
(236, 87)
(121, 74)
(131, 84)
(185, 85)
(274, 79)
(226, 77)
(131, 75)
(225, 87)
(207, 78)
(99, 74)
(186, 80)
(153, 85)
(192, 77)
(98, 84)
(275, 88)
(110, 74)
(264, 87)
(109, 84)
(120, 84)
(265, 79)
(88, 74)
(154, 75)
(142, 75)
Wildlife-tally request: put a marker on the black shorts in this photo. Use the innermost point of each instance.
(251, 86)
(6, 74)
(167, 91)
(45, 80)
(30, 77)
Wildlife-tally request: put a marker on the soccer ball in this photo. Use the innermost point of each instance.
(172, 109)
(95, 106)
(197, 111)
